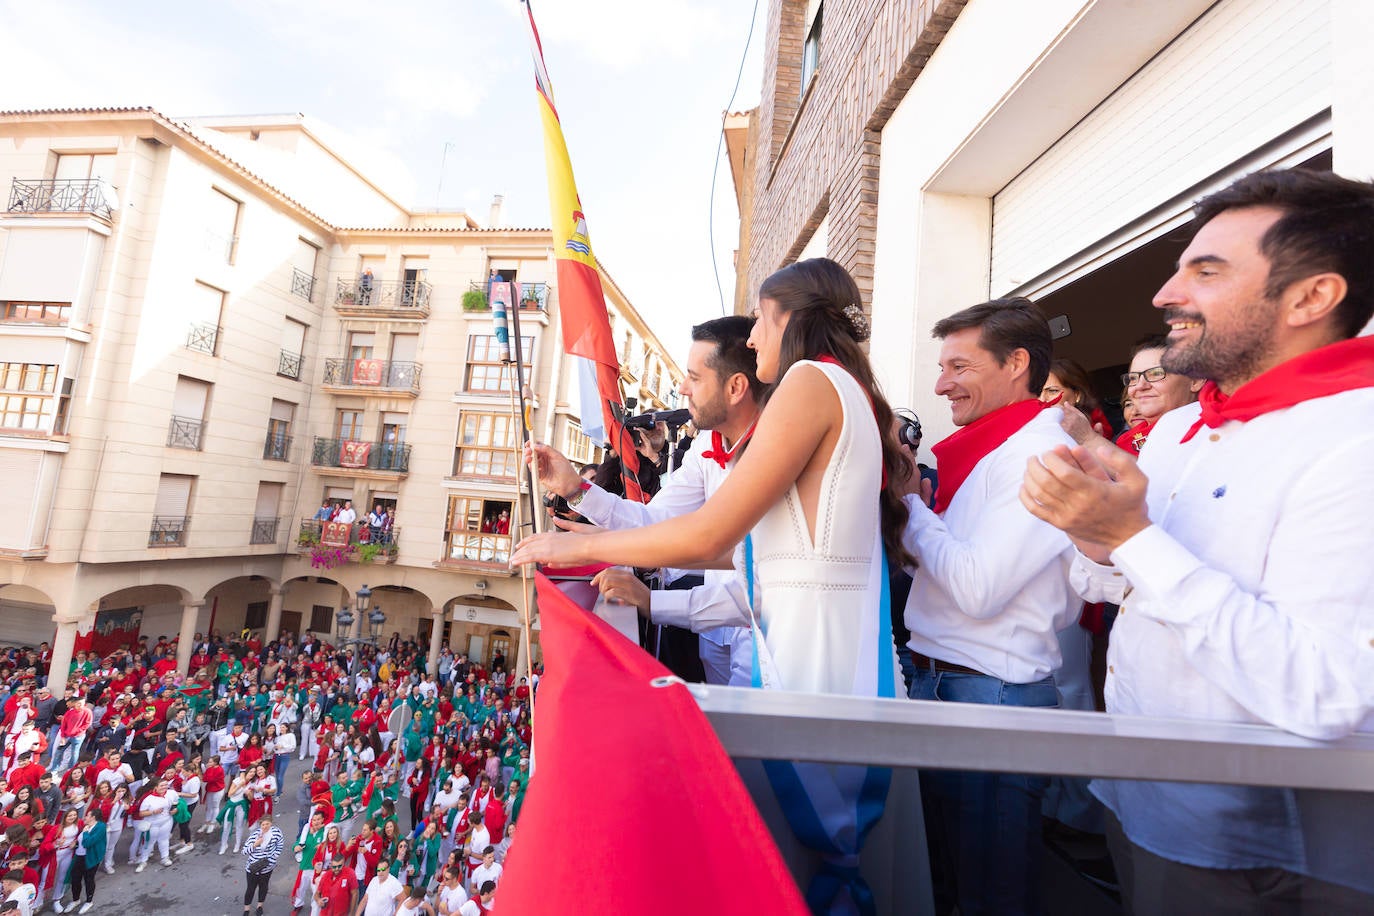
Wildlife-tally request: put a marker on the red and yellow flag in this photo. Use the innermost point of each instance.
(586, 327)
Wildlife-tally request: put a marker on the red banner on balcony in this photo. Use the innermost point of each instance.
(669, 829)
(335, 534)
(354, 454)
(368, 371)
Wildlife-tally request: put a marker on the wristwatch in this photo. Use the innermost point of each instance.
(576, 499)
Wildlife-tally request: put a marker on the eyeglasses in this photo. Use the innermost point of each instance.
(1156, 374)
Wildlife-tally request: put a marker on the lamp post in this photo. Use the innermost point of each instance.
(362, 608)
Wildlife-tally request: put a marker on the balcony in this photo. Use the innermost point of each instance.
(364, 376)
(368, 298)
(264, 531)
(289, 364)
(63, 195)
(168, 531)
(534, 297)
(276, 448)
(352, 455)
(185, 432)
(474, 547)
(330, 544)
(203, 338)
(302, 284)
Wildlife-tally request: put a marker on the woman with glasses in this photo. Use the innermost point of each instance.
(1067, 385)
(1154, 392)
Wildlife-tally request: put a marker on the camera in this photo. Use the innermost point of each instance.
(674, 419)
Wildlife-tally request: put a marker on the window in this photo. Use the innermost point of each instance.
(292, 348)
(811, 50)
(478, 529)
(205, 308)
(26, 395)
(36, 312)
(187, 425)
(64, 405)
(171, 511)
(83, 166)
(350, 425)
(485, 370)
(361, 344)
(222, 225)
(265, 513)
(321, 618)
(486, 446)
(255, 616)
(303, 269)
(577, 445)
(278, 444)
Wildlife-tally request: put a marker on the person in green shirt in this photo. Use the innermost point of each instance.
(341, 794)
(305, 854)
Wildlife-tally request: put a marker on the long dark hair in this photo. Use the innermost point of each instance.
(827, 320)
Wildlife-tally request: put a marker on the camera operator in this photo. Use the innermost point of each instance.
(724, 395)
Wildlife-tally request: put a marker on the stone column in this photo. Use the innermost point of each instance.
(273, 628)
(190, 611)
(436, 633)
(62, 647)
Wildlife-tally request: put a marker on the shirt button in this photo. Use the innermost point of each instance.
(1111, 669)
(1215, 437)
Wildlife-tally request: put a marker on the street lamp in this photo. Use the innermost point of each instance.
(362, 609)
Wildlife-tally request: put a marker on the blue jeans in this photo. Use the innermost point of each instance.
(70, 754)
(983, 829)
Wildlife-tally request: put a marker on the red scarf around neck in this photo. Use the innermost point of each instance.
(719, 453)
(1332, 369)
(1133, 439)
(958, 454)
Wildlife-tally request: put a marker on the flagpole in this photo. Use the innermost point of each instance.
(535, 497)
(516, 525)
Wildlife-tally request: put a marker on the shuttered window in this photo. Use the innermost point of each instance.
(173, 496)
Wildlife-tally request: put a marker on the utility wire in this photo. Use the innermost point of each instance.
(715, 170)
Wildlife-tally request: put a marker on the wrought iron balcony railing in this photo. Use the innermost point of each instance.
(62, 195)
(168, 531)
(185, 432)
(203, 337)
(533, 296)
(371, 456)
(276, 448)
(386, 541)
(371, 373)
(373, 294)
(302, 284)
(289, 364)
(264, 531)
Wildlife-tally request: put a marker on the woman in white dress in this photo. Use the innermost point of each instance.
(156, 812)
(817, 494)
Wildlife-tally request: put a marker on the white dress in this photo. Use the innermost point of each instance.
(819, 603)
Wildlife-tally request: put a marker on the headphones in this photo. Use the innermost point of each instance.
(909, 434)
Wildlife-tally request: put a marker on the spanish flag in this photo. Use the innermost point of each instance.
(582, 304)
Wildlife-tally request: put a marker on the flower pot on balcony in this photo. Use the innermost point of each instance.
(474, 300)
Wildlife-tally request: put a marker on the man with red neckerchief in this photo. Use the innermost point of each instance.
(1239, 547)
(723, 395)
(988, 596)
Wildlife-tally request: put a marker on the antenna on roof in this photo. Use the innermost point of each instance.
(443, 161)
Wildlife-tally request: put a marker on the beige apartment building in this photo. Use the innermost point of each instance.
(208, 328)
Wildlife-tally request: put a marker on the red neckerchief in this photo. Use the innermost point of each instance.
(958, 454)
(477, 899)
(1133, 438)
(1328, 370)
(719, 454)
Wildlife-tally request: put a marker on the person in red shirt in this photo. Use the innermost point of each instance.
(336, 890)
(365, 850)
(163, 665)
(25, 773)
(364, 718)
(76, 722)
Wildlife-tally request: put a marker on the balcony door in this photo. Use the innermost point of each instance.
(350, 425)
(84, 166)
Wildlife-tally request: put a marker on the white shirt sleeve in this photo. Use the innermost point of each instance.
(702, 608)
(1005, 550)
(1299, 651)
(684, 492)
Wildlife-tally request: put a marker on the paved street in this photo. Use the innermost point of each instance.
(199, 883)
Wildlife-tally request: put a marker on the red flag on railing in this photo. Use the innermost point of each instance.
(586, 327)
(634, 807)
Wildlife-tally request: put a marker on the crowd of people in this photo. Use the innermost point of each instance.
(1218, 535)
(407, 783)
(375, 527)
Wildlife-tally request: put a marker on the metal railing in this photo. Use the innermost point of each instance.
(168, 531)
(264, 531)
(362, 294)
(350, 453)
(276, 448)
(203, 338)
(372, 373)
(302, 284)
(289, 364)
(536, 292)
(185, 432)
(61, 195)
(360, 533)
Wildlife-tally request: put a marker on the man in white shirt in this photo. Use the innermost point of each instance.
(384, 893)
(15, 889)
(489, 870)
(480, 902)
(452, 893)
(347, 515)
(723, 394)
(988, 596)
(1239, 548)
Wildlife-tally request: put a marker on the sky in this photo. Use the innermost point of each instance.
(416, 84)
